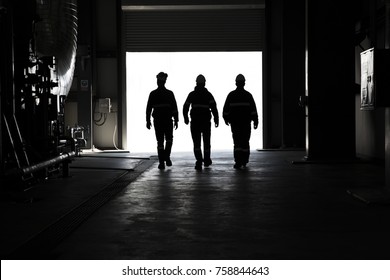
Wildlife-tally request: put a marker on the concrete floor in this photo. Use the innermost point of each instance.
(273, 209)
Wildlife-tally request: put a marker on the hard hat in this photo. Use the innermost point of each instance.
(162, 76)
(240, 78)
(200, 79)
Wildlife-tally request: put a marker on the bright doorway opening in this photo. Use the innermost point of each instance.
(220, 70)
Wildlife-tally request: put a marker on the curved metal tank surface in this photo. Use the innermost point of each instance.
(56, 35)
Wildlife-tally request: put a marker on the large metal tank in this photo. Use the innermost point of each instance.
(56, 35)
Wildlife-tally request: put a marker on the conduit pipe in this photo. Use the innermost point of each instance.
(50, 162)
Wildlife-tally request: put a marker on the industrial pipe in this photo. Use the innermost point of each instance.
(42, 165)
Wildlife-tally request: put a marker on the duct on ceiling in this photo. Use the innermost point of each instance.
(56, 35)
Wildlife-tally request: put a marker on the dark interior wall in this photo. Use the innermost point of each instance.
(284, 72)
(272, 71)
(107, 60)
(96, 73)
(293, 82)
(330, 80)
(387, 110)
(387, 147)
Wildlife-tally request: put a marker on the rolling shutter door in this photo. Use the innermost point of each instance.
(174, 30)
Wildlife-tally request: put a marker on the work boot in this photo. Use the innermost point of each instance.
(161, 157)
(167, 153)
(198, 165)
(199, 158)
(208, 162)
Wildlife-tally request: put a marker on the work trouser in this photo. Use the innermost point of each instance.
(164, 133)
(241, 135)
(199, 129)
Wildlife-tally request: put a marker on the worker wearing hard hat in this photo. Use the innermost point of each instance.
(238, 112)
(163, 104)
(202, 105)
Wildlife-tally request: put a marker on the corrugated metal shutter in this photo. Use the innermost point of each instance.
(194, 30)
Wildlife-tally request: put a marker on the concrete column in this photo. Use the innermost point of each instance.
(330, 123)
(284, 74)
(387, 110)
(272, 76)
(387, 147)
(84, 70)
(292, 73)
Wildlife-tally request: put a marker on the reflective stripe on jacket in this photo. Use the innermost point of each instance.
(240, 106)
(202, 105)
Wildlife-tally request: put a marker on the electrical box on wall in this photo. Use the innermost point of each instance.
(375, 79)
(104, 105)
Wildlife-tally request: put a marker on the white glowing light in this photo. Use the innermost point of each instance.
(220, 70)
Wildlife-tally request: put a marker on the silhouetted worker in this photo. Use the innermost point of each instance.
(239, 111)
(202, 105)
(163, 103)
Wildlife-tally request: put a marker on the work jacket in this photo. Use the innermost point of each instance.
(163, 104)
(240, 107)
(202, 105)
